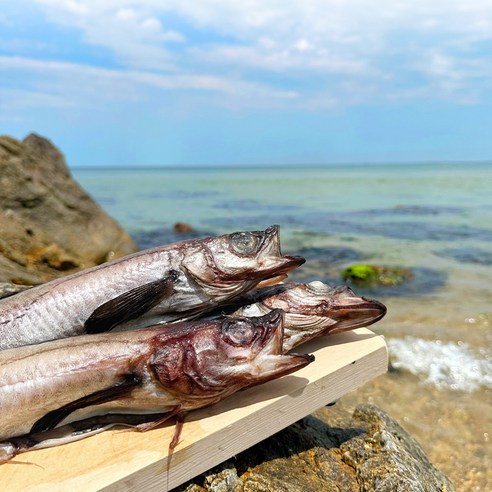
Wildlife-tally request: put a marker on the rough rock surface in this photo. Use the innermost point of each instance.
(330, 451)
(49, 226)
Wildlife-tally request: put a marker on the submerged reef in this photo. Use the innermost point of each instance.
(375, 275)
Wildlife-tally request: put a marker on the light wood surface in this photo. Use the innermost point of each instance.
(121, 460)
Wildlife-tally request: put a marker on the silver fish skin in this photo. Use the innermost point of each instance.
(164, 284)
(149, 371)
(312, 310)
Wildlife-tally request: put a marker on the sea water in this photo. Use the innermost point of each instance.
(433, 219)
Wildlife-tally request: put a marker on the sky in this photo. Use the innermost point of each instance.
(249, 82)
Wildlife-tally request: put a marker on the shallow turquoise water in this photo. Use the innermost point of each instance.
(218, 198)
(433, 218)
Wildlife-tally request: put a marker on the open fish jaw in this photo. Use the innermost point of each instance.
(313, 310)
(270, 362)
(238, 352)
(224, 262)
(351, 311)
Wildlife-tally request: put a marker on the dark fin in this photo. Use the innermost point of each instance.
(136, 420)
(130, 305)
(177, 431)
(145, 426)
(78, 430)
(91, 425)
(180, 416)
(118, 390)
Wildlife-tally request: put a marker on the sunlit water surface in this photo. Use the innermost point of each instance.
(435, 219)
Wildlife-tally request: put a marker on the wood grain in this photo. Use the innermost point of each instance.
(120, 460)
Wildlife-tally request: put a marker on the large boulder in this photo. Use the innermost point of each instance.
(49, 226)
(330, 450)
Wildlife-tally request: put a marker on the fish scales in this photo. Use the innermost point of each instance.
(29, 317)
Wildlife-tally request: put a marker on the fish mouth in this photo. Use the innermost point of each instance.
(273, 332)
(231, 264)
(350, 311)
(315, 309)
(271, 362)
(275, 264)
(278, 269)
(269, 282)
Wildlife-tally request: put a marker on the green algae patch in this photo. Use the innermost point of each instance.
(375, 275)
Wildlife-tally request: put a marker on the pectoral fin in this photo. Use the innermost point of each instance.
(130, 305)
(78, 430)
(118, 390)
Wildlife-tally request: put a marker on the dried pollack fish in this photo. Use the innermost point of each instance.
(312, 310)
(62, 390)
(159, 285)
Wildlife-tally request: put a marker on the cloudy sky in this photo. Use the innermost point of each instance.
(177, 82)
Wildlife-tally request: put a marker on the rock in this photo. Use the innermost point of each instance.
(49, 226)
(375, 275)
(387, 458)
(329, 450)
(182, 227)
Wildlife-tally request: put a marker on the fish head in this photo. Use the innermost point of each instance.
(219, 357)
(233, 263)
(316, 309)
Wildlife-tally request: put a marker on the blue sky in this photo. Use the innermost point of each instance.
(251, 82)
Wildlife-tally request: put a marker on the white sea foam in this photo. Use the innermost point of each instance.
(447, 365)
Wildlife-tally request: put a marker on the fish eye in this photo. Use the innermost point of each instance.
(238, 332)
(244, 243)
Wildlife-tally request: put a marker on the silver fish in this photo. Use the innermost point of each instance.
(62, 390)
(312, 310)
(159, 285)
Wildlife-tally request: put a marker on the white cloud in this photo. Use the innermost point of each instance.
(62, 84)
(132, 33)
(12, 99)
(321, 48)
(458, 78)
(303, 45)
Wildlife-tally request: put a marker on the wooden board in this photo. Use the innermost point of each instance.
(121, 460)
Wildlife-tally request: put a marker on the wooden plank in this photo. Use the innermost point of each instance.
(121, 460)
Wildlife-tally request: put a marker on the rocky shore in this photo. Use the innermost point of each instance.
(49, 226)
(330, 450)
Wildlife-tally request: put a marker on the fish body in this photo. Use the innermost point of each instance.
(149, 371)
(159, 285)
(312, 310)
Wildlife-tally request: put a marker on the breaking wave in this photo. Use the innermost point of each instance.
(447, 365)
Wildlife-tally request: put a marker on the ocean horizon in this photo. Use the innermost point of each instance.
(182, 167)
